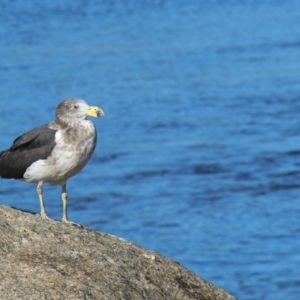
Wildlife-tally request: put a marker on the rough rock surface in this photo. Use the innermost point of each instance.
(45, 259)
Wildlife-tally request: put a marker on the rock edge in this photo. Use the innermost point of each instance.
(47, 259)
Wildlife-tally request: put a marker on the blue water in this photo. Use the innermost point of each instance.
(198, 155)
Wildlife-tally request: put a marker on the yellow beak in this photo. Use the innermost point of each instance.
(95, 111)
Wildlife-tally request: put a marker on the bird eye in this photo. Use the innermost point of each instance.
(72, 106)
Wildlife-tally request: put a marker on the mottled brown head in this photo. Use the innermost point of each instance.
(71, 109)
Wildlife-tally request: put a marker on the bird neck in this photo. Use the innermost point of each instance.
(69, 122)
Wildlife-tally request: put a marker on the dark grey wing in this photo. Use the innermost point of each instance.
(33, 145)
(35, 137)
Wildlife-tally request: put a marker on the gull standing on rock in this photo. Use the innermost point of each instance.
(53, 152)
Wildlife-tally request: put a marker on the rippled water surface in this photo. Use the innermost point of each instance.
(198, 155)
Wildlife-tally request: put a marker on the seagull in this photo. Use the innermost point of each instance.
(54, 152)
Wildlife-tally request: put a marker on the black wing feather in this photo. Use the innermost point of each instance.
(33, 145)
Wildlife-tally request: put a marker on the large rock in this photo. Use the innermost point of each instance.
(45, 259)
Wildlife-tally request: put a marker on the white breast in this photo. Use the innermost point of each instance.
(74, 147)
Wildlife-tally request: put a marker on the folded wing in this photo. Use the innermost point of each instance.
(33, 145)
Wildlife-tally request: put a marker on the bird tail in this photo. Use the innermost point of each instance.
(9, 166)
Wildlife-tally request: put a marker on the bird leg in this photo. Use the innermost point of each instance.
(64, 197)
(40, 194)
